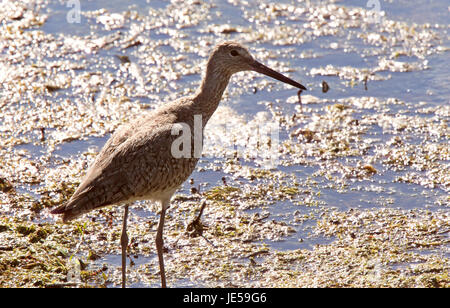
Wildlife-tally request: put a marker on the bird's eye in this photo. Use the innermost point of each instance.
(234, 53)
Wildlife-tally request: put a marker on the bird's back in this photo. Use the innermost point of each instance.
(136, 163)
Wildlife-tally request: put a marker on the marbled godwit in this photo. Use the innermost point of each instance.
(137, 163)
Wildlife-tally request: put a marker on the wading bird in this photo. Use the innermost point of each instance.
(138, 161)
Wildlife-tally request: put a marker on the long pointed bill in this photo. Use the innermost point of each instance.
(261, 68)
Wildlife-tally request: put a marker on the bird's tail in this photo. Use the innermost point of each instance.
(77, 206)
(68, 213)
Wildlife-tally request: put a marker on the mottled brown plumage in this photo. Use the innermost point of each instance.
(136, 163)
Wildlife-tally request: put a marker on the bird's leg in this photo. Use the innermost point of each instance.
(160, 245)
(195, 227)
(124, 243)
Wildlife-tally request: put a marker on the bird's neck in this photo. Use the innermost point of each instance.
(211, 90)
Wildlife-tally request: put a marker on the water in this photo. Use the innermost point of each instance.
(419, 88)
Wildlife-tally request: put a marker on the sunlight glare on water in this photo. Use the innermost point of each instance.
(376, 144)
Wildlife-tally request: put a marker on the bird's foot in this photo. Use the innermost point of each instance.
(195, 228)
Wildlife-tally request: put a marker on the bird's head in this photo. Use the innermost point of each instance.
(232, 57)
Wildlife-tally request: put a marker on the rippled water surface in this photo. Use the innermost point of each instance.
(376, 143)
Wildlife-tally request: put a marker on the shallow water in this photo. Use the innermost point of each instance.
(417, 96)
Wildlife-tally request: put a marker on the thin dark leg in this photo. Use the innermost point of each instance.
(160, 246)
(201, 211)
(124, 243)
(195, 227)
